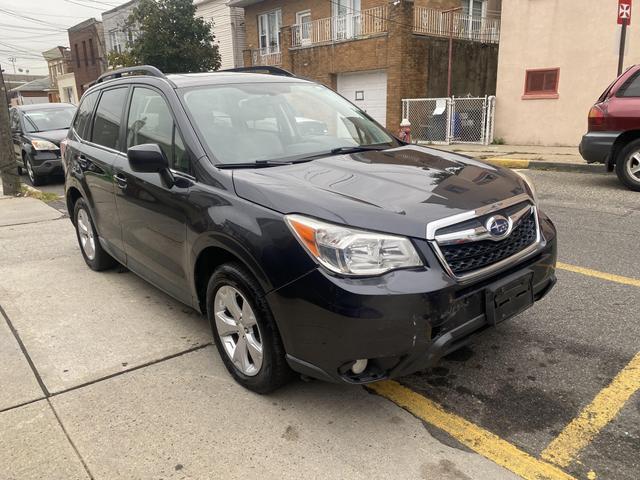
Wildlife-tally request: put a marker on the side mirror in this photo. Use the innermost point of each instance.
(149, 158)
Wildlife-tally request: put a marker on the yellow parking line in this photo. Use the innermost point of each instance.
(604, 407)
(482, 441)
(602, 275)
(507, 162)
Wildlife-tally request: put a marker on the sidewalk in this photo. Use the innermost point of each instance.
(105, 377)
(533, 157)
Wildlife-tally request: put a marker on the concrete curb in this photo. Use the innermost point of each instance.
(544, 165)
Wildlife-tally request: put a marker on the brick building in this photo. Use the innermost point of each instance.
(377, 52)
(88, 57)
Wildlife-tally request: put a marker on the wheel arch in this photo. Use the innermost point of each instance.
(72, 195)
(622, 141)
(210, 256)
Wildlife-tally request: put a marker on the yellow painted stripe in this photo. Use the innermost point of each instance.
(583, 429)
(482, 441)
(508, 162)
(595, 273)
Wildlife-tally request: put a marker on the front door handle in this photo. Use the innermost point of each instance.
(121, 180)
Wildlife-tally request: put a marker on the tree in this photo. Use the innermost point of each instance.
(8, 166)
(171, 38)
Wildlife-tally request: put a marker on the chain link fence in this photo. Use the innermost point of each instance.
(451, 120)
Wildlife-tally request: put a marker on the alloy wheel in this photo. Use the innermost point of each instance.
(85, 232)
(32, 175)
(238, 330)
(633, 166)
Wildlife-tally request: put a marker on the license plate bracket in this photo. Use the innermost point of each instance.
(508, 297)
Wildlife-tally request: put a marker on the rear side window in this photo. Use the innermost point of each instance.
(106, 125)
(150, 121)
(15, 121)
(631, 88)
(83, 117)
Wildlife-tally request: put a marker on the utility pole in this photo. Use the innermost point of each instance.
(450, 13)
(8, 165)
(623, 38)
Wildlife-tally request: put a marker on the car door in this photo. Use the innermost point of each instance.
(153, 214)
(93, 147)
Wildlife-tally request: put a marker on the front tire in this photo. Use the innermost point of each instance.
(94, 255)
(35, 179)
(244, 330)
(628, 166)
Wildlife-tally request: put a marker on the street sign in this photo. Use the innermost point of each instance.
(624, 12)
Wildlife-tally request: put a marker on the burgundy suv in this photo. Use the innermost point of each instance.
(614, 129)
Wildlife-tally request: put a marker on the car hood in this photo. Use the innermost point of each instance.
(398, 190)
(55, 136)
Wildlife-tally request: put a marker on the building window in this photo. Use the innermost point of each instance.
(269, 32)
(93, 54)
(84, 51)
(303, 20)
(541, 83)
(114, 38)
(75, 47)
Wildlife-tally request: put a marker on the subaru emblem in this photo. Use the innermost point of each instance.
(498, 226)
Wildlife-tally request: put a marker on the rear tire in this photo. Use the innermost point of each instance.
(628, 166)
(246, 326)
(94, 255)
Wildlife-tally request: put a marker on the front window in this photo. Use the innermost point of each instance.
(48, 119)
(278, 121)
(269, 32)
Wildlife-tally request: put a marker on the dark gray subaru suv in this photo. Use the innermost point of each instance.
(313, 240)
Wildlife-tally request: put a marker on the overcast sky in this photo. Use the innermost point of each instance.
(26, 38)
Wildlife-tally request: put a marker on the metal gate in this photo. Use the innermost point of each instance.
(451, 120)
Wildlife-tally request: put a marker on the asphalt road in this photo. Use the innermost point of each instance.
(528, 378)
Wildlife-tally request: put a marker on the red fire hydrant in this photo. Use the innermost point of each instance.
(405, 131)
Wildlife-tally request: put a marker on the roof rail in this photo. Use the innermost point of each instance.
(145, 69)
(261, 69)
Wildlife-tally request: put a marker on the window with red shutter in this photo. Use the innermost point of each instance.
(541, 83)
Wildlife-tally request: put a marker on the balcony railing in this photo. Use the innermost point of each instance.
(429, 21)
(264, 57)
(340, 28)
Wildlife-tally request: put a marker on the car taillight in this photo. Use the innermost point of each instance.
(596, 117)
(63, 147)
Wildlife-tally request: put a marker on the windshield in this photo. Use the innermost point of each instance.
(48, 119)
(260, 122)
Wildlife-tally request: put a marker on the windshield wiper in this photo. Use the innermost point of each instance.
(256, 164)
(359, 148)
(339, 150)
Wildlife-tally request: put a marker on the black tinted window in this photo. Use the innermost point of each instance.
(83, 117)
(150, 121)
(631, 87)
(106, 125)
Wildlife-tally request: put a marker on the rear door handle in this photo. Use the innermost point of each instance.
(83, 161)
(121, 180)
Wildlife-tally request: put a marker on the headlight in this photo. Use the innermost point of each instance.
(530, 186)
(44, 145)
(349, 251)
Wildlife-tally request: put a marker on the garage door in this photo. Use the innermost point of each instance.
(368, 90)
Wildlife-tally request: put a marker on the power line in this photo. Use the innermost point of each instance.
(35, 20)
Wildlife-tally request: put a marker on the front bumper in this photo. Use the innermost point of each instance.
(401, 322)
(46, 163)
(596, 147)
